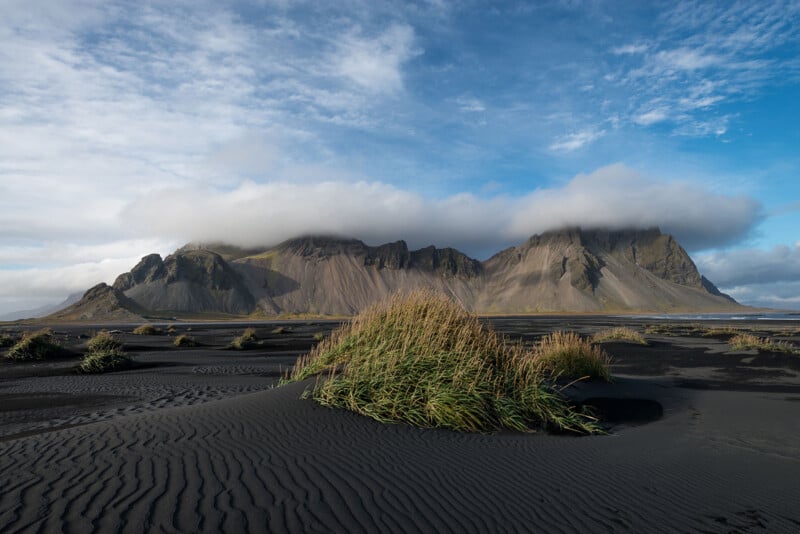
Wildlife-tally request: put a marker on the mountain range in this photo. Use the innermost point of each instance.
(571, 270)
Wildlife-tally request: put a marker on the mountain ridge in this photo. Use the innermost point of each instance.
(569, 270)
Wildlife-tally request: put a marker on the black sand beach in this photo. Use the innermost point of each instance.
(700, 439)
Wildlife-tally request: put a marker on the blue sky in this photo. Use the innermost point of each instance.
(134, 127)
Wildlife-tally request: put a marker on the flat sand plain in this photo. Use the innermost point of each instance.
(700, 439)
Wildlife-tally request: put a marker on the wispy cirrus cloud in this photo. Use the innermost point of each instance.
(704, 55)
(574, 141)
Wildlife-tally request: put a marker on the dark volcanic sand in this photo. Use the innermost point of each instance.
(194, 440)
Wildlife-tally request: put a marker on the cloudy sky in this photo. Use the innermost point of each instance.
(130, 127)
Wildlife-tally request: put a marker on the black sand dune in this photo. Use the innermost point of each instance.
(238, 457)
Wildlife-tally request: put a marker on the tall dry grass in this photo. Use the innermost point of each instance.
(750, 341)
(38, 345)
(568, 355)
(419, 358)
(617, 333)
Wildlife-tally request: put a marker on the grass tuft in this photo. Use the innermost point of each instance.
(568, 355)
(422, 359)
(146, 330)
(623, 333)
(104, 354)
(247, 340)
(37, 345)
(103, 341)
(750, 341)
(6, 340)
(104, 360)
(184, 340)
(721, 331)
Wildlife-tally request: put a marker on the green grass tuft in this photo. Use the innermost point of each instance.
(247, 340)
(184, 340)
(568, 355)
(146, 330)
(37, 345)
(750, 341)
(618, 333)
(421, 359)
(104, 360)
(103, 341)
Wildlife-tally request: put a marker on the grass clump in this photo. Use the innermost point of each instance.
(104, 360)
(750, 341)
(6, 340)
(623, 333)
(568, 355)
(104, 354)
(721, 331)
(279, 330)
(247, 340)
(421, 359)
(103, 341)
(37, 345)
(184, 340)
(145, 330)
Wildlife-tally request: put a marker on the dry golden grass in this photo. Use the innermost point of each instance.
(619, 333)
(103, 341)
(184, 340)
(568, 355)
(750, 341)
(246, 340)
(37, 345)
(420, 358)
(146, 330)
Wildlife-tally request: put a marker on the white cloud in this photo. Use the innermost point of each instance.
(746, 267)
(630, 49)
(782, 295)
(470, 105)
(615, 196)
(574, 141)
(375, 63)
(685, 59)
(653, 116)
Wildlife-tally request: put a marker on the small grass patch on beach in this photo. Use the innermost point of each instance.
(104, 354)
(146, 330)
(422, 359)
(720, 331)
(619, 333)
(750, 342)
(246, 340)
(661, 329)
(7, 340)
(568, 355)
(104, 360)
(103, 341)
(39, 345)
(184, 340)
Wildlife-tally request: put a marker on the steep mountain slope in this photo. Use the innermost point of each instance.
(339, 277)
(192, 281)
(597, 270)
(101, 302)
(571, 270)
